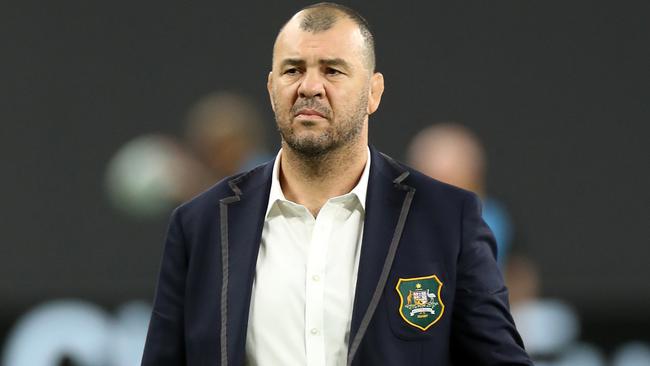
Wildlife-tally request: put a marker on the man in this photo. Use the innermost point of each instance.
(312, 259)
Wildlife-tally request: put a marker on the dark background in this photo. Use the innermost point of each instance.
(556, 90)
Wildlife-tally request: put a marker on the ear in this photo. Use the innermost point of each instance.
(269, 87)
(376, 90)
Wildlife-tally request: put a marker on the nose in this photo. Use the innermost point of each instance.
(311, 85)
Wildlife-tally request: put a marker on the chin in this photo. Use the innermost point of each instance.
(310, 146)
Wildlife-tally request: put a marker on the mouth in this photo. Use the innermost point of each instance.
(309, 114)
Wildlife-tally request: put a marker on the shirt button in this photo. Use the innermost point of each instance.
(316, 278)
(314, 331)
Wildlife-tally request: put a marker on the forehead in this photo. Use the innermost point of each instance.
(343, 40)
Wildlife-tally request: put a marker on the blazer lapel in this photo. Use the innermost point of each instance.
(241, 223)
(387, 206)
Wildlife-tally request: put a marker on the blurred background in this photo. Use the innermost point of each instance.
(114, 113)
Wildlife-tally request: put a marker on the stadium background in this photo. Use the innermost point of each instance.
(557, 92)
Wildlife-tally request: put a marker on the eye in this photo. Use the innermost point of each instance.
(290, 71)
(332, 71)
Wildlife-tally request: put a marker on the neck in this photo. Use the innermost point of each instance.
(311, 181)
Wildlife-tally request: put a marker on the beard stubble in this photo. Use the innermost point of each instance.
(336, 136)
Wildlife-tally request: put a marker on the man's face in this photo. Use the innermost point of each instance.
(319, 87)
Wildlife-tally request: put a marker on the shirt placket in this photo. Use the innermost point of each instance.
(314, 289)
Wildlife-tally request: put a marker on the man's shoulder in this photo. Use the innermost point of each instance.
(231, 186)
(438, 188)
(429, 188)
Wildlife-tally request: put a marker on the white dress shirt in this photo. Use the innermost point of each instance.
(305, 279)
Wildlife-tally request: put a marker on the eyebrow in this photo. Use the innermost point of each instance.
(335, 62)
(323, 62)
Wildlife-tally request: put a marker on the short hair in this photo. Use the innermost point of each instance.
(322, 16)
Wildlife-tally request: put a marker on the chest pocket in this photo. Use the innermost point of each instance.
(418, 301)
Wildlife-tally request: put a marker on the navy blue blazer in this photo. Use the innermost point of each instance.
(414, 227)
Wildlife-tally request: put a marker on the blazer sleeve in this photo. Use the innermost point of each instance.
(483, 332)
(165, 342)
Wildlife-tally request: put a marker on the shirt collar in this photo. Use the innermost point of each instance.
(276, 194)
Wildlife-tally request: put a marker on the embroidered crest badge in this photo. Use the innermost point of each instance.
(420, 303)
